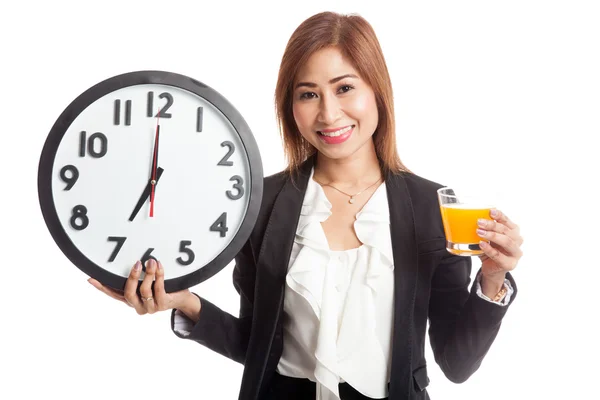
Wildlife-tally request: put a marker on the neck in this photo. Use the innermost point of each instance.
(355, 171)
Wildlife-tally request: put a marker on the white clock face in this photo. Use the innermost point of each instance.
(104, 163)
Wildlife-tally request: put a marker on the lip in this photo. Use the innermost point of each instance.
(333, 129)
(337, 139)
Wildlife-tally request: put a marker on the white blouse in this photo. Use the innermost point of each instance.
(338, 305)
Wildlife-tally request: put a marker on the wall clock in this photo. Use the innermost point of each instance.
(150, 164)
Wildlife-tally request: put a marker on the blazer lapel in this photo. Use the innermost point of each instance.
(404, 246)
(280, 232)
(271, 269)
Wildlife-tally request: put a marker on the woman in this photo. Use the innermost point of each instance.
(347, 260)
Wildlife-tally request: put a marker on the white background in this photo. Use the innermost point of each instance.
(508, 92)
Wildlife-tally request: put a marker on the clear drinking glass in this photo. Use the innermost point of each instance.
(460, 209)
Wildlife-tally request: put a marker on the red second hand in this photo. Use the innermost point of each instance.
(154, 165)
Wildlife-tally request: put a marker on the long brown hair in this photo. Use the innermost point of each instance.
(355, 38)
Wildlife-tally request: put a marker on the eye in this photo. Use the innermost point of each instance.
(345, 88)
(307, 95)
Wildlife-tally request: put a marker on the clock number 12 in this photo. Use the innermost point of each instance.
(163, 110)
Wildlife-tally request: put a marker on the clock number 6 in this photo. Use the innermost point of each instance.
(147, 255)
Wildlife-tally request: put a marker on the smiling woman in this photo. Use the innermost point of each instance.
(342, 274)
(333, 65)
(346, 264)
(333, 111)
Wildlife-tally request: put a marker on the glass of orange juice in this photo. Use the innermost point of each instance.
(460, 211)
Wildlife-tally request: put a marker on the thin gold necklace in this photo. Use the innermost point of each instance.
(352, 196)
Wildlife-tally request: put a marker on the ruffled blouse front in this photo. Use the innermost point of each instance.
(339, 304)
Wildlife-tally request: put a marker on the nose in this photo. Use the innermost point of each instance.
(329, 109)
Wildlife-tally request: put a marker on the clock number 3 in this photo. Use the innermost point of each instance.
(239, 186)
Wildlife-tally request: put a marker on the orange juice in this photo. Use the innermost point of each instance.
(460, 222)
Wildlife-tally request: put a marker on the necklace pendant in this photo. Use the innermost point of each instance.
(351, 200)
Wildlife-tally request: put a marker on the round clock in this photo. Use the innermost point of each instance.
(150, 164)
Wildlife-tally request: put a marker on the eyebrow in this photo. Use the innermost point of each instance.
(332, 81)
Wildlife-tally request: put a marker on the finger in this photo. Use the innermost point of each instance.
(502, 218)
(146, 287)
(106, 290)
(504, 262)
(159, 288)
(509, 246)
(494, 226)
(131, 288)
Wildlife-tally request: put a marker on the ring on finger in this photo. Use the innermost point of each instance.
(147, 298)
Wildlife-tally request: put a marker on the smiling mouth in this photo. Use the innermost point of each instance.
(339, 132)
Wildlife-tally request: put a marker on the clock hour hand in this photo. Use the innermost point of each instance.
(146, 194)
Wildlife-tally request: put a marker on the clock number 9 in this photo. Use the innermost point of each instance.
(79, 213)
(69, 180)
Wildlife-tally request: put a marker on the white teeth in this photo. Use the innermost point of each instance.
(336, 133)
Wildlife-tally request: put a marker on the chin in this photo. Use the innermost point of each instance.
(340, 152)
(336, 154)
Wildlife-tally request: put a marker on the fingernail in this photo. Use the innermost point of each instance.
(481, 222)
(494, 213)
(159, 265)
(480, 232)
(137, 266)
(483, 245)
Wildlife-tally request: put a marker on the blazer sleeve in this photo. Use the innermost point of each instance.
(462, 325)
(217, 329)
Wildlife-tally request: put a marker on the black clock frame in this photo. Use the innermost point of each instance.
(131, 79)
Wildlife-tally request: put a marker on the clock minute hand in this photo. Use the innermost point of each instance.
(145, 194)
(154, 164)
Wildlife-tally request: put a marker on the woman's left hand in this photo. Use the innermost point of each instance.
(503, 252)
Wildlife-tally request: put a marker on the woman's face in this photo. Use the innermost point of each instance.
(335, 110)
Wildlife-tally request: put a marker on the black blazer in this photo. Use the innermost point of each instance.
(429, 283)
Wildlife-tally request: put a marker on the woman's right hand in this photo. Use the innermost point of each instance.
(149, 302)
